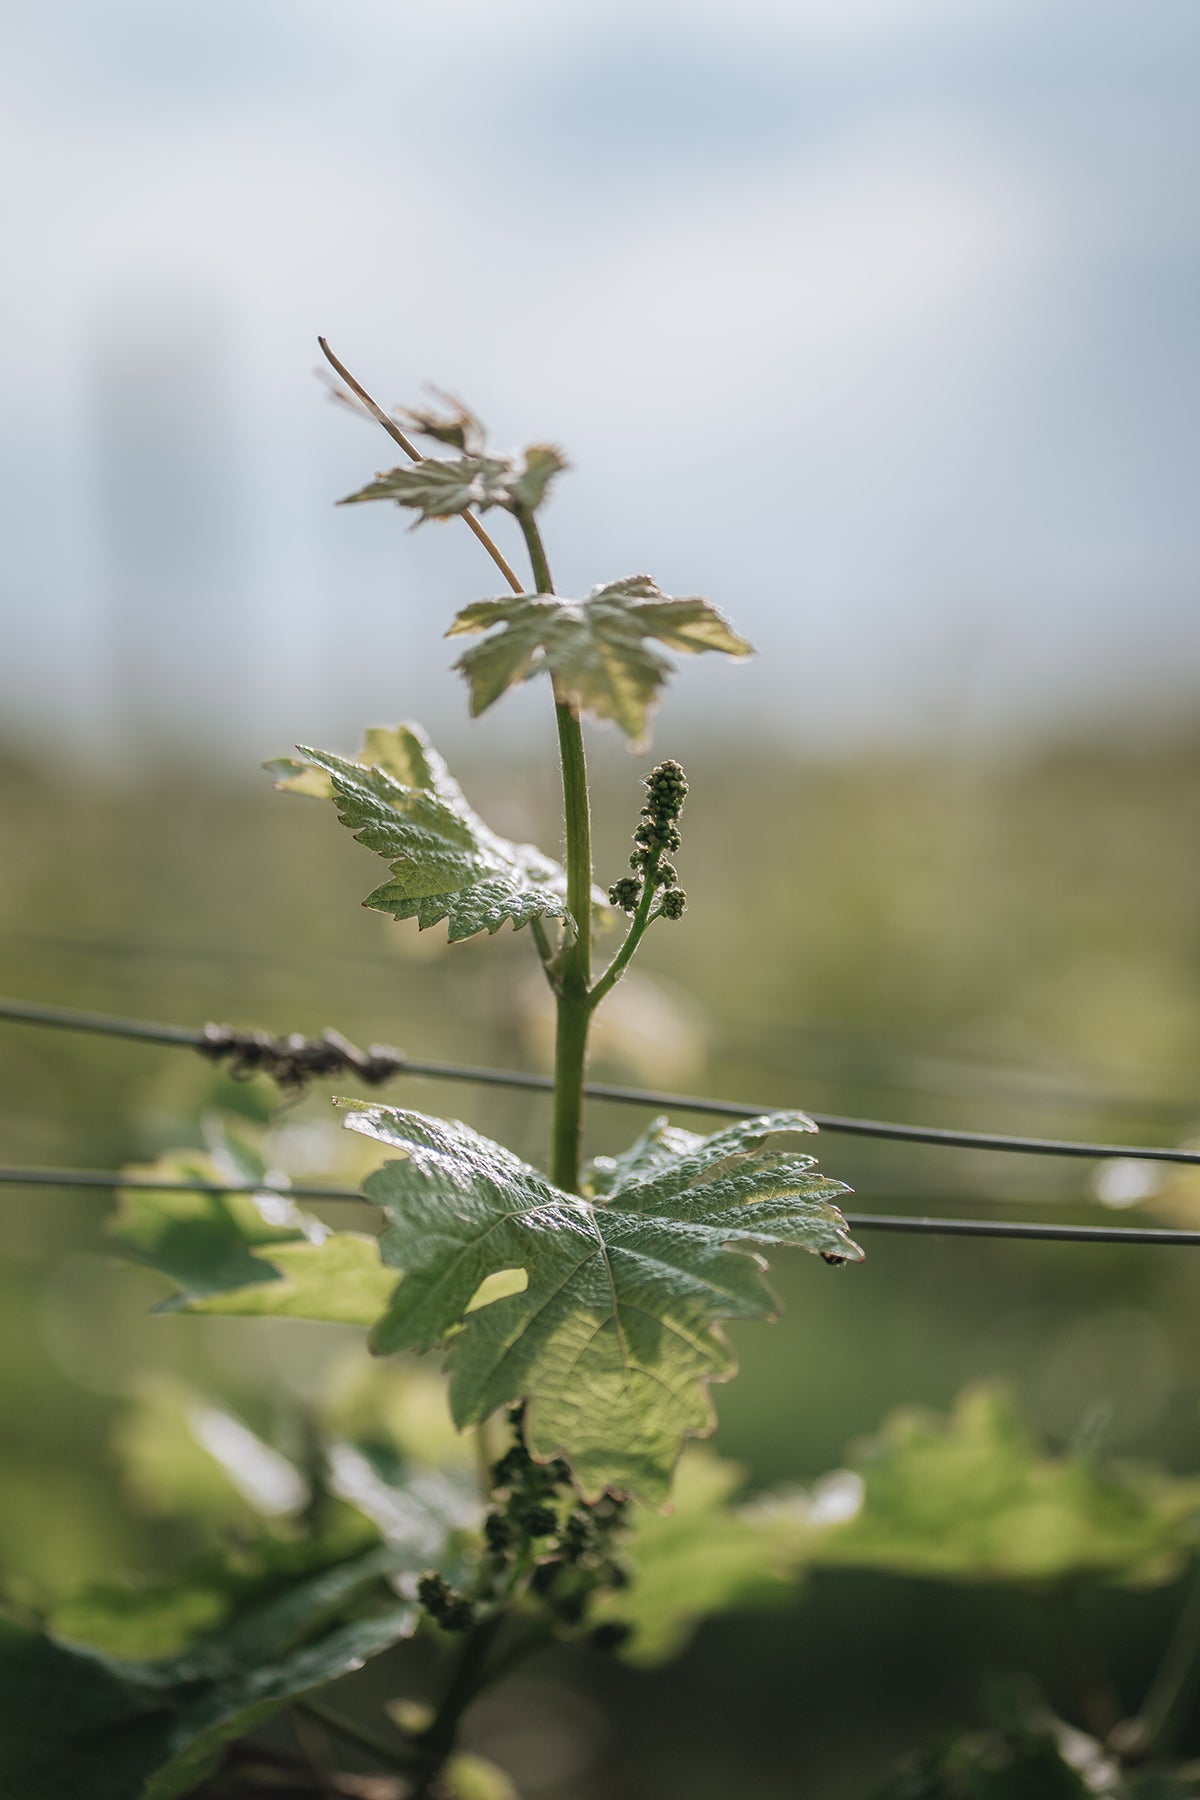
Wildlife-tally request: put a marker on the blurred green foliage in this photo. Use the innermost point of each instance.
(969, 1498)
(1007, 944)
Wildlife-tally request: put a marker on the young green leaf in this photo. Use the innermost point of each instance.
(243, 1253)
(456, 426)
(441, 488)
(141, 1618)
(596, 650)
(74, 1721)
(401, 801)
(542, 463)
(969, 1498)
(614, 1337)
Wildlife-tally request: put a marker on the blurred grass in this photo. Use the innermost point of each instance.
(1006, 945)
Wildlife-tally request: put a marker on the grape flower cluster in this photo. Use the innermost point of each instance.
(656, 837)
(539, 1538)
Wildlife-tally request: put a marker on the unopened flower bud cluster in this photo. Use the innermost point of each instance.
(656, 837)
(539, 1536)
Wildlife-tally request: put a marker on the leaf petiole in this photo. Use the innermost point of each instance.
(471, 1674)
(546, 951)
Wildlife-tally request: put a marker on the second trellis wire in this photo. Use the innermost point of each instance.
(333, 1051)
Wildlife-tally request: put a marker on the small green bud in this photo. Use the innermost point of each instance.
(666, 875)
(657, 834)
(666, 788)
(511, 1466)
(540, 1521)
(444, 1606)
(576, 1537)
(570, 1608)
(458, 1616)
(543, 1575)
(673, 903)
(498, 1531)
(626, 893)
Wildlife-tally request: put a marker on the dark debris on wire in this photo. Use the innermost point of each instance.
(295, 1060)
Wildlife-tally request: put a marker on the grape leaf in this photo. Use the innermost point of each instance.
(185, 1455)
(76, 1721)
(542, 463)
(338, 1281)
(401, 751)
(243, 1253)
(705, 1556)
(614, 1338)
(438, 488)
(457, 426)
(158, 1618)
(400, 800)
(969, 1498)
(595, 650)
(442, 487)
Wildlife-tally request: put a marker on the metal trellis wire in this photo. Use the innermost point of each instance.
(112, 1179)
(294, 1060)
(297, 1059)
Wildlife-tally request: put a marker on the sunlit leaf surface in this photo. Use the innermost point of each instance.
(400, 800)
(614, 1338)
(599, 651)
(245, 1253)
(442, 487)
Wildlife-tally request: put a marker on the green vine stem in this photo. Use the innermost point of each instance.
(545, 949)
(575, 971)
(574, 1001)
(437, 1743)
(643, 918)
(571, 974)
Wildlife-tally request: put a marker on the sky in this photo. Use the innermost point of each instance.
(876, 321)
